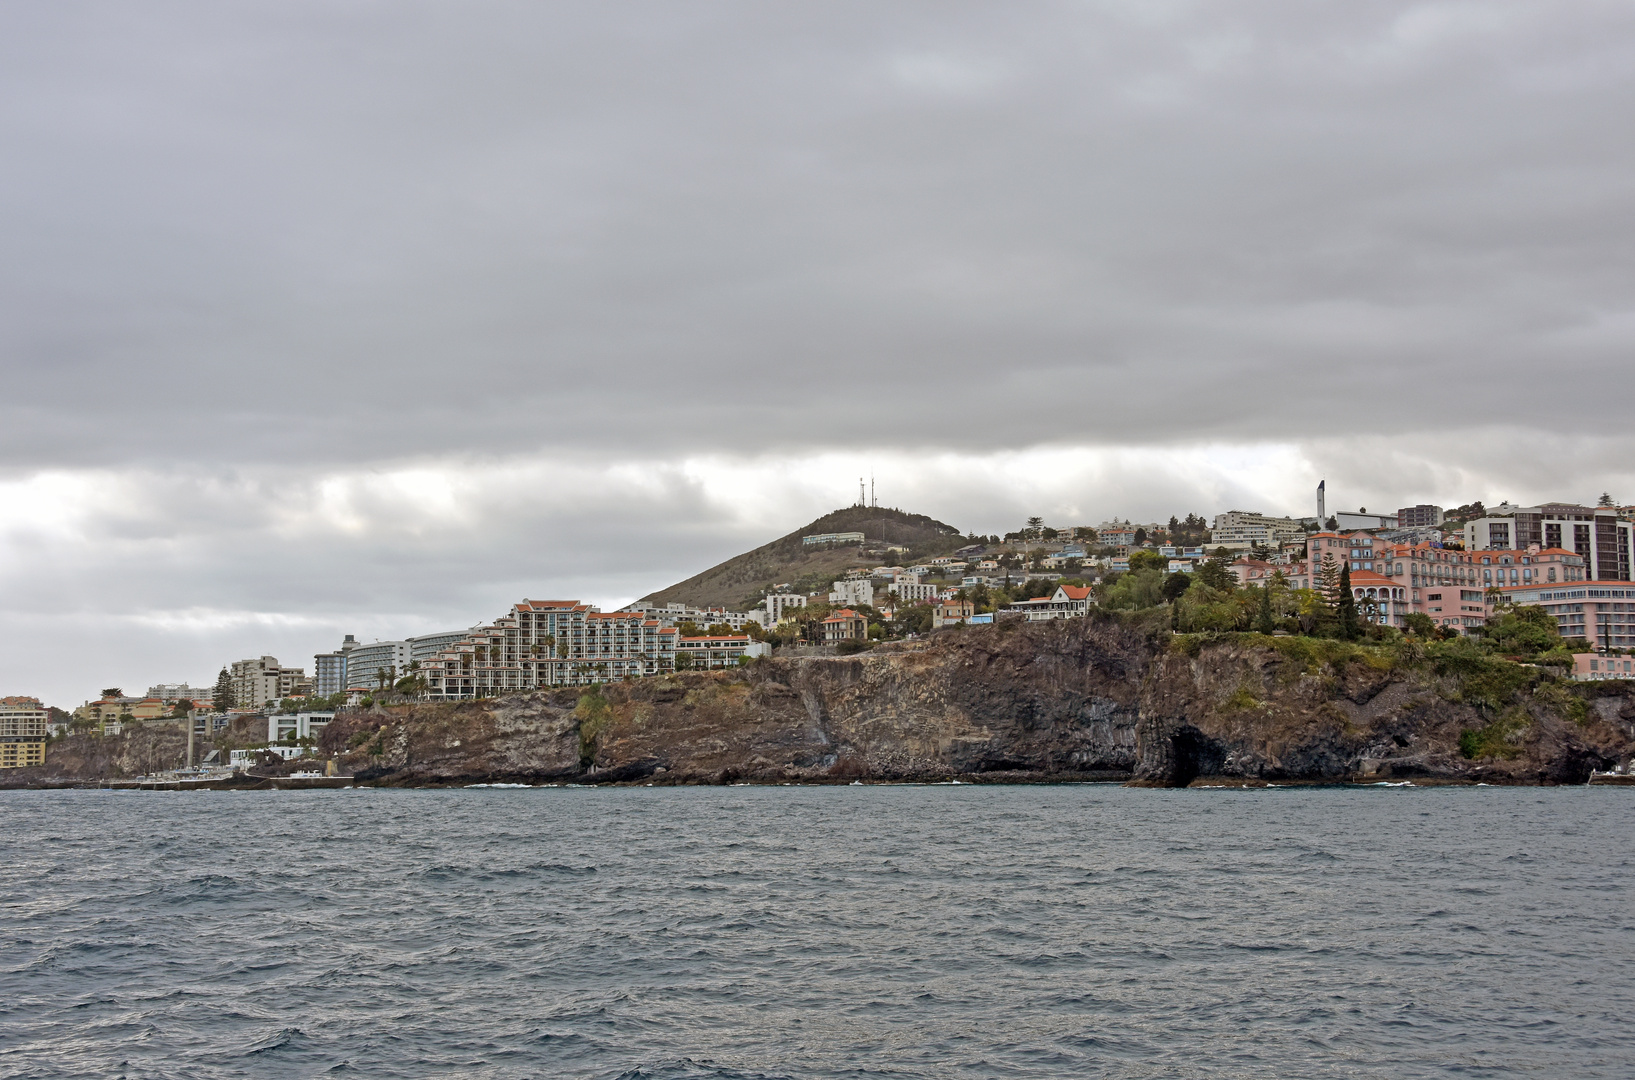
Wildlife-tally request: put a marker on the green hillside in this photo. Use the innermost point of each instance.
(742, 579)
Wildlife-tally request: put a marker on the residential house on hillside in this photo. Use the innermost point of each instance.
(951, 612)
(1067, 602)
(845, 625)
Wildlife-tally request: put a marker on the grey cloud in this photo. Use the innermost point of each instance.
(343, 231)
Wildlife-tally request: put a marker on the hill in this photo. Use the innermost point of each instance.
(740, 581)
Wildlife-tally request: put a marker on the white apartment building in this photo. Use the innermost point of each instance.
(549, 643)
(1238, 530)
(852, 592)
(779, 604)
(292, 726)
(260, 680)
(180, 692)
(912, 592)
(1596, 533)
(366, 662)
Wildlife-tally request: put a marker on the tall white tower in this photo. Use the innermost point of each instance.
(1321, 516)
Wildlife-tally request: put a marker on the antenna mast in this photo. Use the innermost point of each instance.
(872, 500)
(860, 501)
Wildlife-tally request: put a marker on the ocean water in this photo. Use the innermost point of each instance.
(950, 931)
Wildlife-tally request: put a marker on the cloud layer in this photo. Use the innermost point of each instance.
(377, 317)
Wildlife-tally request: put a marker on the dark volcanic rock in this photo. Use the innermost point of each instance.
(1087, 698)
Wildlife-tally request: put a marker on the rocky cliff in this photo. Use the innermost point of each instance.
(1093, 698)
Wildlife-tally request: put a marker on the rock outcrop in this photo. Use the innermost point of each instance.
(1095, 698)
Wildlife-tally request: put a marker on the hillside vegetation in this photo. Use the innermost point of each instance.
(740, 581)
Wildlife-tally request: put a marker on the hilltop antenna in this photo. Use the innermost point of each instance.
(872, 500)
(860, 501)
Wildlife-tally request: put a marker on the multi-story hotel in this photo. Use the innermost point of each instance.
(549, 643)
(22, 732)
(1240, 529)
(1603, 613)
(1446, 584)
(1596, 534)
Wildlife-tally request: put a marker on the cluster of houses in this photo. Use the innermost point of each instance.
(1574, 561)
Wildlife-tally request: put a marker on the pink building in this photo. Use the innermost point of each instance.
(1593, 667)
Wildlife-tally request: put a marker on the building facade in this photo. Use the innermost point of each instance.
(780, 604)
(288, 727)
(329, 669)
(1067, 602)
(852, 592)
(1602, 613)
(845, 625)
(369, 662)
(22, 732)
(674, 615)
(260, 680)
(720, 651)
(831, 539)
(1597, 534)
(1422, 516)
(1238, 530)
(545, 643)
(912, 592)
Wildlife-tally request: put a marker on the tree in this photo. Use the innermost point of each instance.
(1328, 580)
(1141, 536)
(1148, 560)
(1176, 584)
(1605, 500)
(383, 677)
(1133, 591)
(113, 692)
(222, 698)
(181, 708)
(1419, 624)
(1214, 573)
(720, 629)
(1347, 607)
(1524, 628)
(688, 628)
(684, 661)
(1263, 615)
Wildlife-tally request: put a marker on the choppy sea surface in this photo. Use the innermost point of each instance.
(947, 931)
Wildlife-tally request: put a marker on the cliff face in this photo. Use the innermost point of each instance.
(1089, 698)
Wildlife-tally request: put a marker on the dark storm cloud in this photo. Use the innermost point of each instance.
(349, 231)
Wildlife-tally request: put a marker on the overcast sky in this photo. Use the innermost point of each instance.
(359, 317)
